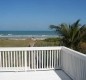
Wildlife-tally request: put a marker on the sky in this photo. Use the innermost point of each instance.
(39, 14)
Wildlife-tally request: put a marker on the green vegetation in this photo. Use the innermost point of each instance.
(82, 47)
(47, 42)
(71, 35)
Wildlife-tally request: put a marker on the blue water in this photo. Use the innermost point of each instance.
(28, 34)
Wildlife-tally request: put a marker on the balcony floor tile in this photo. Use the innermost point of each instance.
(34, 75)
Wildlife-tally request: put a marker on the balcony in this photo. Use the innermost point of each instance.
(42, 63)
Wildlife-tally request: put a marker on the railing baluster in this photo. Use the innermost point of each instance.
(47, 58)
(3, 58)
(25, 52)
(6, 60)
(14, 59)
(11, 59)
(0, 60)
(34, 58)
(19, 59)
(29, 59)
(42, 59)
(57, 59)
(37, 59)
(22, 59)
(52, 58)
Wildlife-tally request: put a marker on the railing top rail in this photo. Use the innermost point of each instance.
(28, 48)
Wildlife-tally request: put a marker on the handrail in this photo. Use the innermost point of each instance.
(28, 48)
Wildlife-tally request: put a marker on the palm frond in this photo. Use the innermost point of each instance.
(76, 24)
(72, 34)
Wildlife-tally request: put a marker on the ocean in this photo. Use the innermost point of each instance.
(27, 34)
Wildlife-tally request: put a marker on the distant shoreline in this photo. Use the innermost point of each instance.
(23, 35)
(26, 37)
(23, 38)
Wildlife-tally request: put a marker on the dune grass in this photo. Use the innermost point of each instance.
(48, 42)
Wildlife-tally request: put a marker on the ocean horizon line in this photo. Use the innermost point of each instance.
(25, 30)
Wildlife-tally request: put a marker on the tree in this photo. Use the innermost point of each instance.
(71, 35)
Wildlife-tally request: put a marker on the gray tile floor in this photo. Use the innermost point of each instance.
(34, 75)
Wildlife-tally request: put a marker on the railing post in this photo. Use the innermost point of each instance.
(25, 60)
(59, 55)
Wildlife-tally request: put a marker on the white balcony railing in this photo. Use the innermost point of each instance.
(44, 58)
(30, 58)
